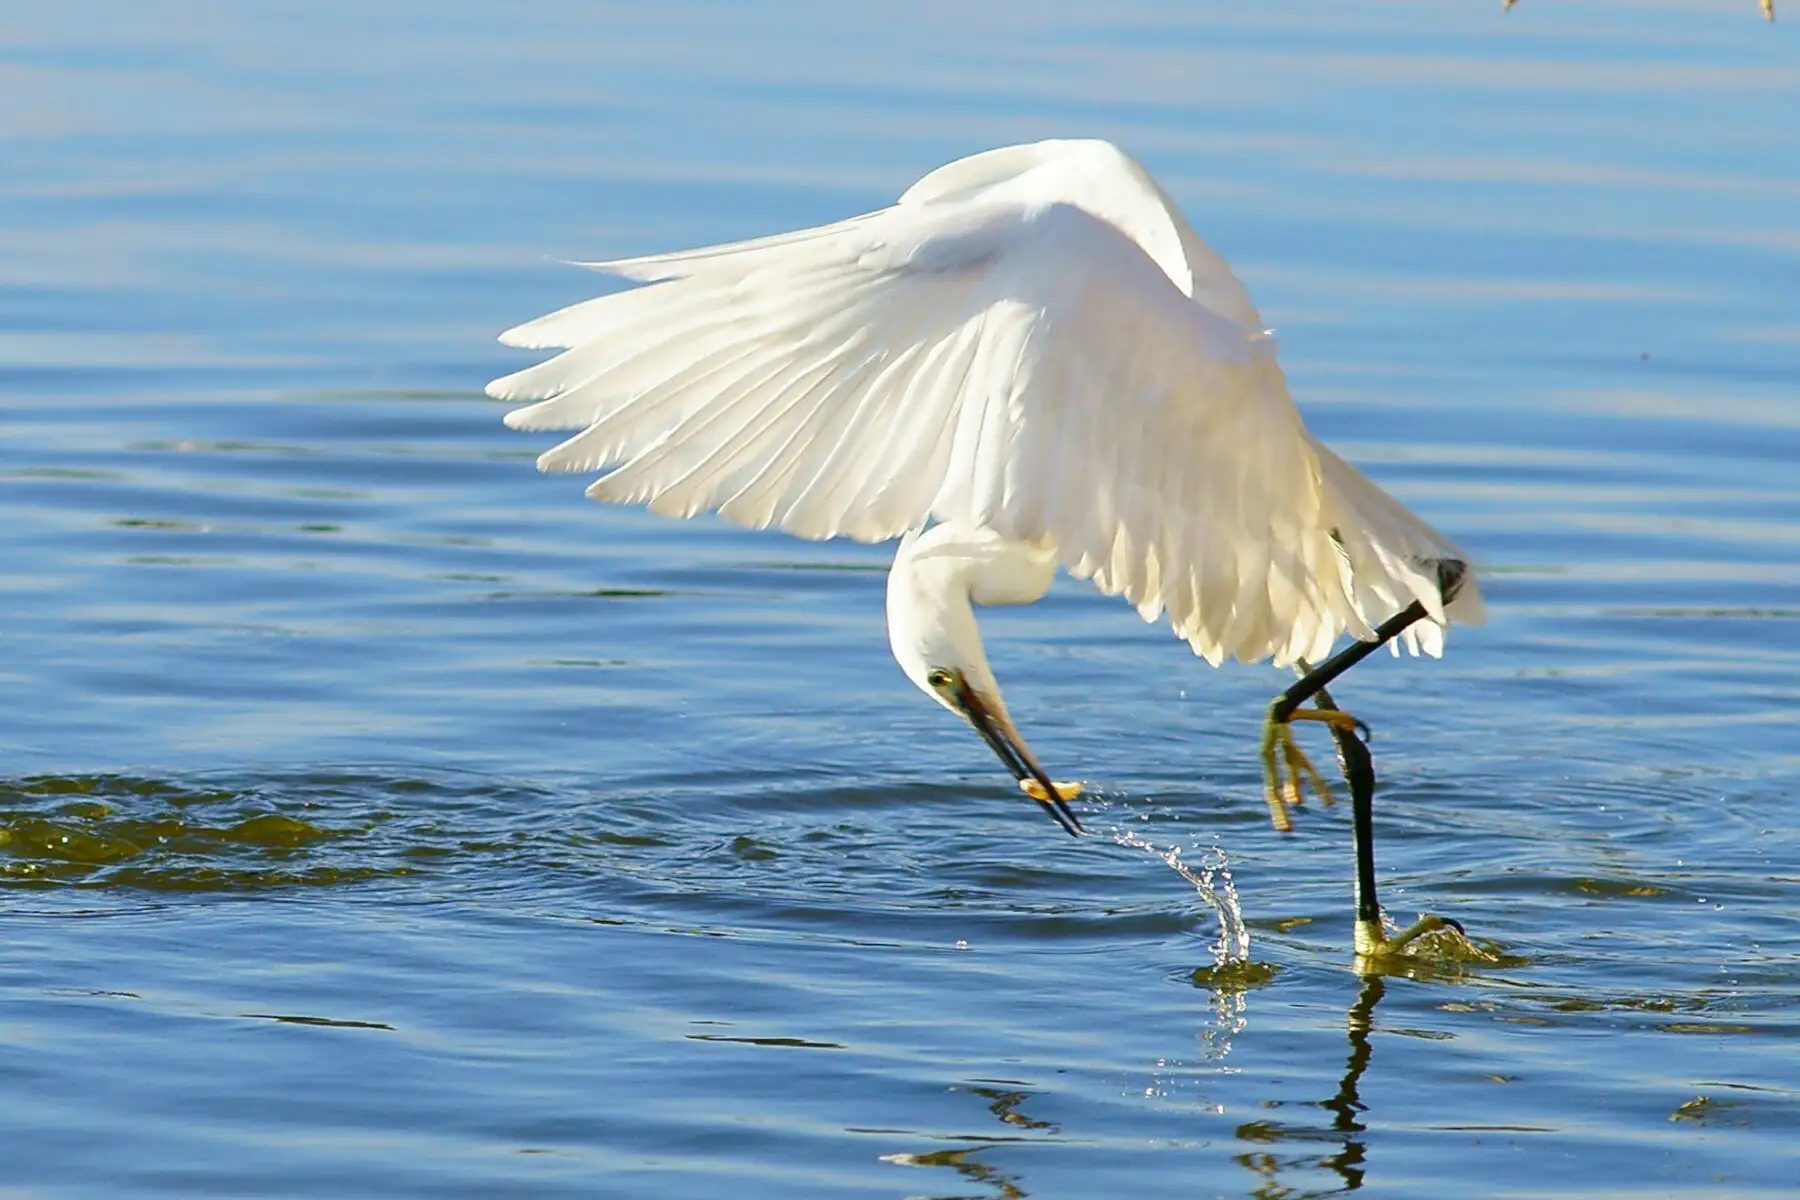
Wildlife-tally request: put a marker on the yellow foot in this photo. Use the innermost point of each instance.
(1373, 942)
(1034, 789)
(1286, 769)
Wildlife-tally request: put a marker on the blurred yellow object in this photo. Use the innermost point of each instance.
(1034, 789)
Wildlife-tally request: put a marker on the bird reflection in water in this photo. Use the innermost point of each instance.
(1348, 1153)
(1434, 948)
(1004, 1185)
(1004, 1104)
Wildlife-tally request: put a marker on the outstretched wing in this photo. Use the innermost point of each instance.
(1032, 340)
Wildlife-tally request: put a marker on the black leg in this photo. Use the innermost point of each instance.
(1314, 680)
(1355, 761)
(1358, 766)
(1286, 770)
(1450, 576)
(1359, 772)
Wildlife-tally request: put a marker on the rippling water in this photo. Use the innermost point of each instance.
(378, 817)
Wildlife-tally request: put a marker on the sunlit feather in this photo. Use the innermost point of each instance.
(1033, 343)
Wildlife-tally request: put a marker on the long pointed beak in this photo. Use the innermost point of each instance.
(997, 730)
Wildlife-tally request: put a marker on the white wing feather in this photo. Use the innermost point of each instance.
(1031, 340)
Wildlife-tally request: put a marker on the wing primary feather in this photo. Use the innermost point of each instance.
(730, 257)
(634, 482)
(679, 473)
(846, 460)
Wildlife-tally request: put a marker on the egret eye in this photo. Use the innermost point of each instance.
(940, 678)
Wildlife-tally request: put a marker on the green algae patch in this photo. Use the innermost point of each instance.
(272, 829)
(115, 832)
(68, 842)
(1239, 976)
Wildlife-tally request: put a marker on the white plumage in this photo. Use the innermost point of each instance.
(1032, 342)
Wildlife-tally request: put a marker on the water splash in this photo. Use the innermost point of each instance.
(1212, 881)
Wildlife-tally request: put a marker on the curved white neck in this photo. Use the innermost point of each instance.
(935, 579)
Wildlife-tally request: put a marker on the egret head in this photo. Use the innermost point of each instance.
(931, 627)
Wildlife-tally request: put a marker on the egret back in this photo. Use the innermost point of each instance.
(1102, 179)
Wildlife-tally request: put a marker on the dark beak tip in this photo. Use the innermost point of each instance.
(1059, 811)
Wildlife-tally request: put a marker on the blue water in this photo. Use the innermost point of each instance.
(381, 818)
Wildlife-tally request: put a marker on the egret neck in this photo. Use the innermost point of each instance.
(937, 577)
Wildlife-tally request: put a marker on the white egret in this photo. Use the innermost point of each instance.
(1030, 361)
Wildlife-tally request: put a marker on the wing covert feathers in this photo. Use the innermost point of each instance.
(1032, 340)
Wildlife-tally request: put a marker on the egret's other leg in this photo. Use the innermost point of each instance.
(1285, 766)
